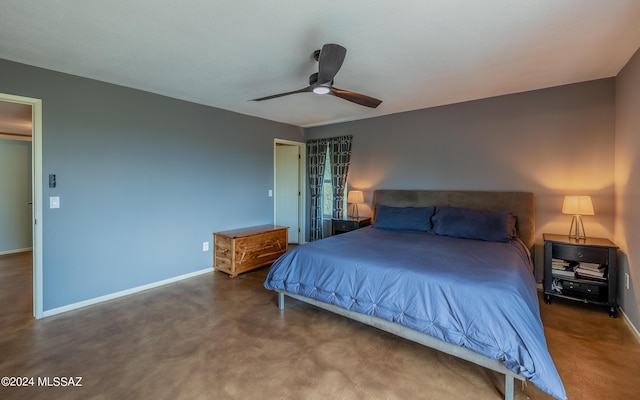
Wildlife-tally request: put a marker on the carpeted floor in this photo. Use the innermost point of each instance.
(212, 337)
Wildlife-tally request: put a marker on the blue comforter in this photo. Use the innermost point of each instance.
(476, 294)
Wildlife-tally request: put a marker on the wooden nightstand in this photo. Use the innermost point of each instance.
(596, 280)
(346, 224)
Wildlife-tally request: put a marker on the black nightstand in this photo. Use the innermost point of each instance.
(347, 224)
(595, 282)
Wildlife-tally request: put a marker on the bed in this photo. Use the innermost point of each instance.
(448, 269)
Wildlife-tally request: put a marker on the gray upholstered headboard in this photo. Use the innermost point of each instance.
(521, 204)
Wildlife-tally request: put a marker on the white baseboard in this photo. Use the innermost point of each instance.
(2, 253)
(123, 293)
(630, 324)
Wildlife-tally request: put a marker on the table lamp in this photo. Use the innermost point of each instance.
(577, 206)
(354, 197)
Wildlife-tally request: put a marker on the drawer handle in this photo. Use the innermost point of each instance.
(580, 254)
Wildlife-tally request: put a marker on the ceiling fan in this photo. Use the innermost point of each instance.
(330, 59)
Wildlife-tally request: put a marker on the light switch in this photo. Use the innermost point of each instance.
(270, 193)
(54, 202)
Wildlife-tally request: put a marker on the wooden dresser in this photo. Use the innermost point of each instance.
(240, 250)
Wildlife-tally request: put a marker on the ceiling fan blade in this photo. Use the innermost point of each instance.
(330, 61)
(304, 90)
(356, 97)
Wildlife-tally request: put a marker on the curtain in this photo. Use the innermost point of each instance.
(316, 157)
(340, 153)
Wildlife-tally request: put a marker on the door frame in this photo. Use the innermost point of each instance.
(36, 194)
(302, 179)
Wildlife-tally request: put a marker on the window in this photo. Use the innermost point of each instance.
(327, 190)
(320, 184)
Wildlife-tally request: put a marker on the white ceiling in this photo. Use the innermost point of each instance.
(411, 54)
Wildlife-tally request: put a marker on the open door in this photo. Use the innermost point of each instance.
(288, 184)
(36, 193)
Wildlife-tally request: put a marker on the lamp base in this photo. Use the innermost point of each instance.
(354, 210)
(576, 231)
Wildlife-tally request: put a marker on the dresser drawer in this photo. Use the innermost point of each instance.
(345, 225)
(580, 253)
(581, 287)
(348, 224)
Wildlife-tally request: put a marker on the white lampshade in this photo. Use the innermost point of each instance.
(355, 197)
(577, 205)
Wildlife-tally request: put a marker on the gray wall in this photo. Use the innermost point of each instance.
(551, 142)
(143, 180)
(627, 226)
(15, 194)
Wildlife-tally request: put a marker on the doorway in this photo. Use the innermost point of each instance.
(36, 192)
(289, 196)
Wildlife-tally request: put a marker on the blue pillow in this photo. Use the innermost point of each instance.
(403, 218)
(492, 226)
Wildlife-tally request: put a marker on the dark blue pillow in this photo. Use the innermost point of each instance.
(492, 226)
(403, 218)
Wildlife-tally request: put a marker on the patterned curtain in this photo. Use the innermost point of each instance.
(340, 153)
(316, 157)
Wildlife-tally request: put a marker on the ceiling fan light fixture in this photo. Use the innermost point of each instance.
(321, 89)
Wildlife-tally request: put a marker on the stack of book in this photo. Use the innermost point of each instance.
(591, 271)
(562, 268)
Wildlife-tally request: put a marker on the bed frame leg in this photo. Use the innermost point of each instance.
(281, 302)
(508, 387)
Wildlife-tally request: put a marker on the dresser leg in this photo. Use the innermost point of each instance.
(613, 311)
(547, 299)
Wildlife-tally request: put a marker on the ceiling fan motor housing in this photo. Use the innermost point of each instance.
(313, 79)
